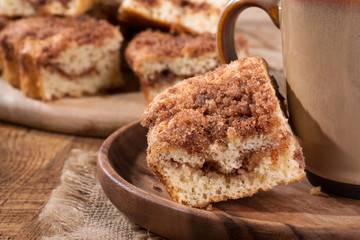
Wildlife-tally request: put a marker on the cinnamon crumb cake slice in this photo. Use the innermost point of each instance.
(222, 136)
(162, 59)
(51, 57)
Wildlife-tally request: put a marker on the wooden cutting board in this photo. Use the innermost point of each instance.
(90, 116)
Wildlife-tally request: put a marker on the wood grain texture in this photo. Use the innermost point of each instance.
(30, 167)
(89, 116)
(286, 212)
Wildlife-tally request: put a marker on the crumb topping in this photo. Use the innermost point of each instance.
(156, 44)
(80, 29)
(235, 99)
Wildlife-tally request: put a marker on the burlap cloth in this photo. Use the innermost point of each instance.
(79, 209)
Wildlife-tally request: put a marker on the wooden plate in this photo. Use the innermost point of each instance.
(91, 116)
(286, 212)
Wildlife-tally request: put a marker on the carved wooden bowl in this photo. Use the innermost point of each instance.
(286, 212)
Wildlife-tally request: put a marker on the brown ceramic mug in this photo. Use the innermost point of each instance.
(321, 54)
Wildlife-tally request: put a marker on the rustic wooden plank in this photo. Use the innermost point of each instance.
(30, 168)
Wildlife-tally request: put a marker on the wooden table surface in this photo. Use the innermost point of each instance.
(30, 168)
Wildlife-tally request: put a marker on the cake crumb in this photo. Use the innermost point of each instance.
(209, 207)
(156, 187)
(315, 191)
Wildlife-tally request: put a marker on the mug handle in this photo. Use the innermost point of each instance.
(226, 26)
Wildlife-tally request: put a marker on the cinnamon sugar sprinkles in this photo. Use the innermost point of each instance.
(238, 101)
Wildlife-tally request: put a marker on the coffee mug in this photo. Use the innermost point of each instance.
(321, 54)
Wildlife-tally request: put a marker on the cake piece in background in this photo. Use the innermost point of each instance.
(54, 57)
(82, 57)
(23, 8)
(222, 135)
(161, 59)
(192, 16)
(10, 38)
